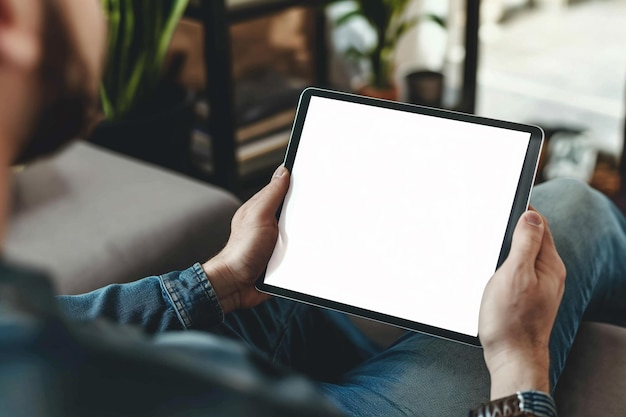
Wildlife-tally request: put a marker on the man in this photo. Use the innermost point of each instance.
(242, 354)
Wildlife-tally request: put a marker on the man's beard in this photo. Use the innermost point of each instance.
(67, 104)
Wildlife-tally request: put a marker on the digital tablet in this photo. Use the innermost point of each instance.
(399, 213)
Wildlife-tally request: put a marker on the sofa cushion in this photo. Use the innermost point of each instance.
(91, 218)
(594, 380)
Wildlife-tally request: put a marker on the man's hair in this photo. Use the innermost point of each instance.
(66, 102)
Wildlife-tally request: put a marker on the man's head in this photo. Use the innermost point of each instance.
(51, 56)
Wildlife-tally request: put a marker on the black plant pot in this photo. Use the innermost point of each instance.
(158, 132)
(425, 88)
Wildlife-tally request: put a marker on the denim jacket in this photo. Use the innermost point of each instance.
(124, 365)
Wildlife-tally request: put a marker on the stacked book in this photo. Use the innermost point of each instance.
(265, 107)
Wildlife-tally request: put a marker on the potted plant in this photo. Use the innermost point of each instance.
(145, 117)
(389, 22)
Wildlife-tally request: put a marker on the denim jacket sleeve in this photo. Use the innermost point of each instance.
(177, 300)
(58, 367)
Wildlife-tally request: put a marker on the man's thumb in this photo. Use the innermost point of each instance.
(272, 195)
(527, 238)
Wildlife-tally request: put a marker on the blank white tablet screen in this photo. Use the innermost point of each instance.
(396, 212)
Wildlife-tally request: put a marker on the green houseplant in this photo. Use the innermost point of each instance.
(140, 32)
(387, 19)
(146, 118)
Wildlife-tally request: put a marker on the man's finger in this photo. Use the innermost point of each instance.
(271, 196)
(527, 238)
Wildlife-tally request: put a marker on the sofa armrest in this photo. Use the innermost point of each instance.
(594, 380)
(91, 217)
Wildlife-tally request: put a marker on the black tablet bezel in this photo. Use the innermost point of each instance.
(520, 202)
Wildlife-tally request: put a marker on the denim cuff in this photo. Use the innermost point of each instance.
(192, 297)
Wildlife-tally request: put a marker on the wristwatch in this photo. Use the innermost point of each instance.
(521, 404)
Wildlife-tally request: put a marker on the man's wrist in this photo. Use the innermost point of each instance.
(220, 277)
(523, 372)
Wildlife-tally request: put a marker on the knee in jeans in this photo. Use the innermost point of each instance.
(577, 198)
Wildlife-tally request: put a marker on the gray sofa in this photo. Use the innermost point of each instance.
(91, 218)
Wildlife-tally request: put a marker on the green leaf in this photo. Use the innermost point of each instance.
(172, 18)
(348, 16)
(107, 107)
(400, 30)
(437, 19)
(356, 54)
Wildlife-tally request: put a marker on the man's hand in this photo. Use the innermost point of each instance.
(518, 310)
(254, 230)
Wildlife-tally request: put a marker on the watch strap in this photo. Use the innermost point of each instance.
(521, 404)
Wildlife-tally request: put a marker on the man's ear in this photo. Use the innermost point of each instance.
(19, 38)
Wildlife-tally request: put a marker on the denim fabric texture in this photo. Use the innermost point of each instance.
(187, 361)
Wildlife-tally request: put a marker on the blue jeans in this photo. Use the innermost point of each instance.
(418, 375)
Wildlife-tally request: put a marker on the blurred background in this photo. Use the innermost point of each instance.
(242, 63)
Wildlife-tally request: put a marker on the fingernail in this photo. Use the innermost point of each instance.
(533, 218)
(280, 171)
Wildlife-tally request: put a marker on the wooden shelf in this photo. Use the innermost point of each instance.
(217, 16)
